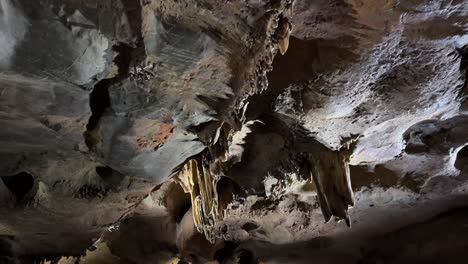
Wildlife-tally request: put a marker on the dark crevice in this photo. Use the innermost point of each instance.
(249, 226)
(463, 53)
(6, 247)
(462, 158)
(99, 99)
(110, 177)
(104, 171)
(225, 252)
(246, 257)
(226, 189)
(19, 184)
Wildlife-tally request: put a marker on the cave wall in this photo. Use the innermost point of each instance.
(233, 131)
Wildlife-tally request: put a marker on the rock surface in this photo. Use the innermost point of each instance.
(240, 131)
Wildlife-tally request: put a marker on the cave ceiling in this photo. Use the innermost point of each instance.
(233, 131)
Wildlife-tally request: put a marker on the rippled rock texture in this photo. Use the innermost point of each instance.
(234, 131)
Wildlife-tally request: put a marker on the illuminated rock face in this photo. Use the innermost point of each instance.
(233, 131)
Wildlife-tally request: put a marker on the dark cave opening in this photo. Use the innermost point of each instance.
(104, 171)
(109, 176)
(99, 99)
(19, 184)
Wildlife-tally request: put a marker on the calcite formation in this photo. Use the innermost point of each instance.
(234, 131)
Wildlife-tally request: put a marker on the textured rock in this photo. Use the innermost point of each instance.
(233, 131)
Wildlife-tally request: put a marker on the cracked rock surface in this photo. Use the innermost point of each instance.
(238, 131)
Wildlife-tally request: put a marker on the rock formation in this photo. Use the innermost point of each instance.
(233, 131)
